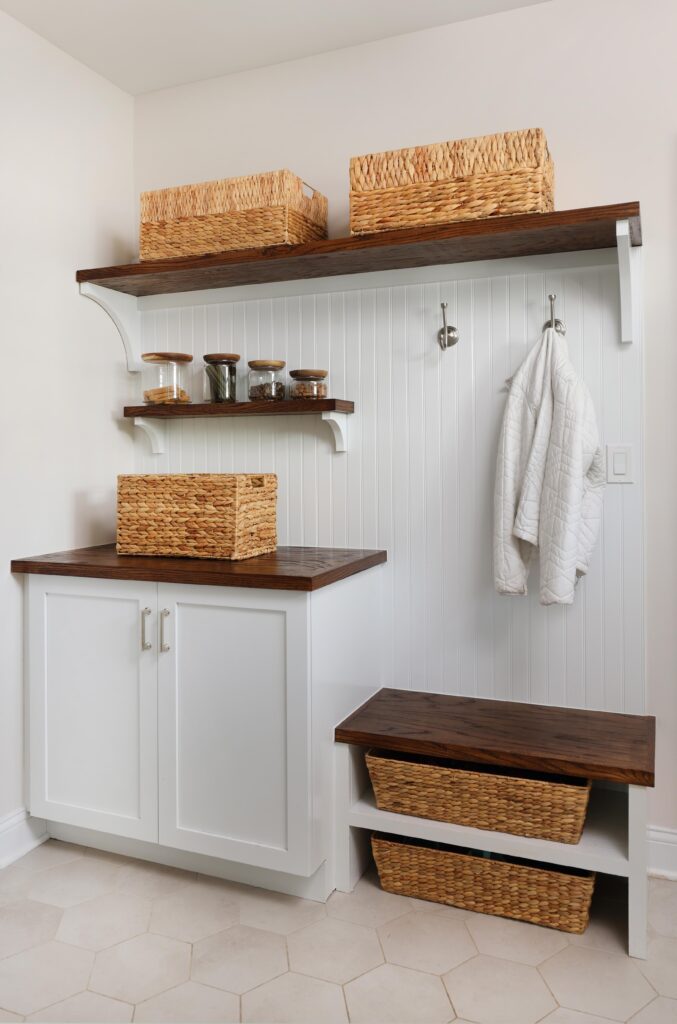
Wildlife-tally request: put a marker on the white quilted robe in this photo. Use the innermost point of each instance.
(549, 476)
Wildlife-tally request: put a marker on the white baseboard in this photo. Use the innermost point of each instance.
(662, 852)
(19, 834)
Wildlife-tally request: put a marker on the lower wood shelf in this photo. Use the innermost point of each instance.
(152, 418)
(603, 845)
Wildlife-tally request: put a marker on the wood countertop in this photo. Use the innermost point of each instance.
(289, 568)
(568, 741)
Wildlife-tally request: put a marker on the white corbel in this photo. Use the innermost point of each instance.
(338, 423)
(628, 275)
(156, 432)
(123, 309)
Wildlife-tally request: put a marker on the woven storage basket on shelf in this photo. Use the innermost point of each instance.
(197, 515)
(276, 208)
(553, 897)
(469, 179)
(522, 803)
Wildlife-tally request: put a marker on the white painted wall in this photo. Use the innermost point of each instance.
(599, 77)
(66, 201)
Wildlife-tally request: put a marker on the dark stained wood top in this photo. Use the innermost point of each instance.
(289, 568)
(497, 237)
(285, 407)
(569, 741)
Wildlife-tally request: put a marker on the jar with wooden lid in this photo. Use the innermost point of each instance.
(221, 376)
(267, 380)
(164, 378)
(308, 384)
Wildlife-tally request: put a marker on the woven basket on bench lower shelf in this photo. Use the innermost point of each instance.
(197, 515)
(506, 887)
(480, 796)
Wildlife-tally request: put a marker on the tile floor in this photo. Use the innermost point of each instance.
(87, 936)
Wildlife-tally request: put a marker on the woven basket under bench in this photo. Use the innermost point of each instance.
(506, 887)
(197, 515)
(276, 208)
(481, 796)
(469, 179)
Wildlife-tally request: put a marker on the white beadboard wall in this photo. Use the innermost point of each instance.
(418, 477)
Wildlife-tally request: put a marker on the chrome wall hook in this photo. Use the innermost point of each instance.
(559, 325)
(447, 336)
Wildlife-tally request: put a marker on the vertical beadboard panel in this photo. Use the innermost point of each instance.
(418, 476)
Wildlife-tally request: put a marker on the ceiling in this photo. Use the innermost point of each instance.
(143, 45)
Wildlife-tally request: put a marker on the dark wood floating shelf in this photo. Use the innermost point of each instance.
(495, 238)
(283, 407)
(570, 741)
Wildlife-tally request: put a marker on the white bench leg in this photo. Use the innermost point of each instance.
(637, 878)
(351, 845)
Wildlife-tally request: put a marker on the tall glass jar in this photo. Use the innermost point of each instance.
(267, 380)
(164, 378)
(221, 377)
(308, 384)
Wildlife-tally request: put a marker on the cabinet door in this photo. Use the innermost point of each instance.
(93, 704)
(234, 725)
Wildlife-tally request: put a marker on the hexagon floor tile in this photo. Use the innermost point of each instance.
(661, 1011)
(42, 976)
(294, 999)
(276, 912)
(660, 966)
(24, 924)
(334, 950)
(189, 1003)
(597, 982)
(85, 1008)
(498, 991)
(367, 904)
(140, 968)
(75, 882)
(429, 942)
(193, 912)
(239, 959)
(391, 994)
(515, 940)
(104, 921)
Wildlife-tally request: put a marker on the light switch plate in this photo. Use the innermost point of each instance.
(619, 464)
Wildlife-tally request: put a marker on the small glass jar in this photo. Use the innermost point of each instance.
(164, 378)
(267, 380)
(221, 377)
(309, 384)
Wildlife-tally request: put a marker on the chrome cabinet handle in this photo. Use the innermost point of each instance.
(163, 615)
(145, 644)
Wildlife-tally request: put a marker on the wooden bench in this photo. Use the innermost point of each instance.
(615, 751)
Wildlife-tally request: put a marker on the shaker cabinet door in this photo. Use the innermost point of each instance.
(92, 692)
(234, 724)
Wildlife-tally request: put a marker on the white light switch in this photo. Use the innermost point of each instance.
(619, 464)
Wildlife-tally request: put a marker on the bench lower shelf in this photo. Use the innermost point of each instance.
(603, 845)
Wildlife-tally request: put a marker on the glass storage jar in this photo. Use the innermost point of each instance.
(266, 380)
(164, 378)
(308, 384)
(221, 377)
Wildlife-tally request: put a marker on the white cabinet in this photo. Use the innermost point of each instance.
(216, 738)
(234, 707)
(93, 700)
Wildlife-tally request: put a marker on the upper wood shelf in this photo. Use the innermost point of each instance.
(280, 407)
(468, 241)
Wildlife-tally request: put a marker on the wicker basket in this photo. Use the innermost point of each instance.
(481, 796)
(197, 515)
(469, 179)
(538, 893)
(236, 213)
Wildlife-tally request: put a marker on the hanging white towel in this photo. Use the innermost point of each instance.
(549, 476)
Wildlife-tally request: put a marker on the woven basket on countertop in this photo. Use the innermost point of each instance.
(469, 179)
(275, 208)
(197, 515)
(481, 796)
(553, 897)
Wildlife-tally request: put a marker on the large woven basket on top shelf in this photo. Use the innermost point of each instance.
(275, 208)
(500, 800)
(469, 179)
(553, 897)
(197, 515)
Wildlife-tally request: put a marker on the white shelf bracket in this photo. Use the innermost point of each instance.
(628, 273)
(156, 431)
(123, 310)
(338, 423)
